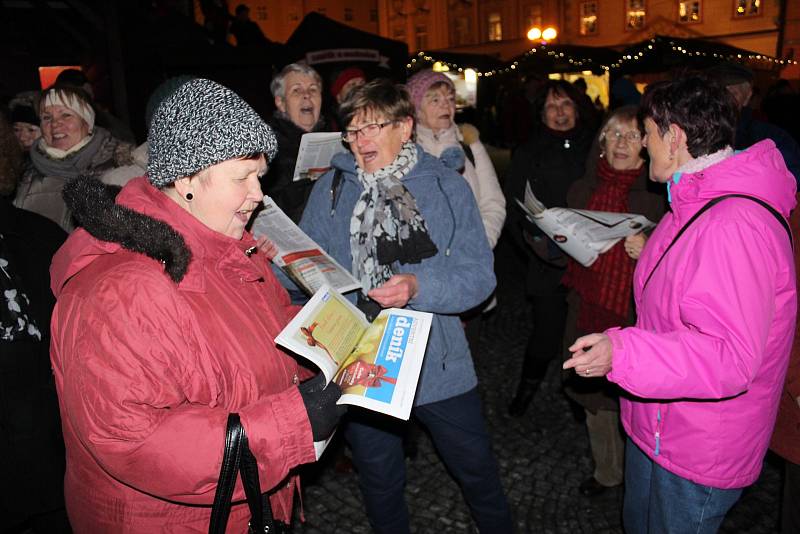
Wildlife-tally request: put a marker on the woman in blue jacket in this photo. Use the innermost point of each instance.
(412, 234)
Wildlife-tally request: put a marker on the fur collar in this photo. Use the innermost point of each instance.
(93, 206)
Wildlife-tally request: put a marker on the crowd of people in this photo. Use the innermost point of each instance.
(142, 311)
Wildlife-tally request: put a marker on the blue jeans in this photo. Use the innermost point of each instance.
(660, 502)
(459, 434)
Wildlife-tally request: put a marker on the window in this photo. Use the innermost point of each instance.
(321, 10)
(634, 14)
(690, 11)
(399, 33)
(373, 15)
(533, 17)
(588, 18)
(261, 13)
(348, 13)
(746, 8)
(495, 27)
(421, 37)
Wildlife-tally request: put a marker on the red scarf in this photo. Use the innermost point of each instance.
(605, 287)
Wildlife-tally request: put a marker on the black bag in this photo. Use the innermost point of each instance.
(238, 458)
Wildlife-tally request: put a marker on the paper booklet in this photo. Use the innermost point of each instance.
(377, 365)
(298, 255)
(315, 153)
(583, 234)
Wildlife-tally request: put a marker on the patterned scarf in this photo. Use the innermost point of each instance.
(386, 225)
(605, 287)
(16, 322)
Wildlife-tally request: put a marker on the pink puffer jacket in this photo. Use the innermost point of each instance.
(706, 361)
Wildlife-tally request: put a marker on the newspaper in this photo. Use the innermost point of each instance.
(583, 234)
(298, 255)
(376, 364)
(315, 153)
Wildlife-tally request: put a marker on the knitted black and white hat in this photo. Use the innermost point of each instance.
(199, 125)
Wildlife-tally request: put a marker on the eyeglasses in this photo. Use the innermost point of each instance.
(367, 132)
(631, 137)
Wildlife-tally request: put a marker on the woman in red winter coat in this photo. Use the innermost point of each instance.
(164, 324)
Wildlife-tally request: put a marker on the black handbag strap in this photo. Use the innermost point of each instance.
(221, 509)
(709, 205)
(238, 458)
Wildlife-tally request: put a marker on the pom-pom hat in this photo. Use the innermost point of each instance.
(201, 124)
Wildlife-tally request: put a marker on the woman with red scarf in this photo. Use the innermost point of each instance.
(601, 295)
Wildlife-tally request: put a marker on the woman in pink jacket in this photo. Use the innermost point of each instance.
(164, 324)
(716, 304)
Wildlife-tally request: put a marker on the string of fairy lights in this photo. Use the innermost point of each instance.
(588, 63)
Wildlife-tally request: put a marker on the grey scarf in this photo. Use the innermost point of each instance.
(75, 164)
(386, 225)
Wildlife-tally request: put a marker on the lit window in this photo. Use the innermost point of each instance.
(495, 27)
(588, 18)
(348, 13)
(634, 14)
(422, 37)
(690, 11)
(746, 8)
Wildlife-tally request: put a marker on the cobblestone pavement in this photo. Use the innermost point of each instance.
(543, 456)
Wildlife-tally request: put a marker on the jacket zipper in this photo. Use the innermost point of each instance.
(658, 431)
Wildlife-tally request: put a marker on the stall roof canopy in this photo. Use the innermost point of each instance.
(455, 60)
(662, 53)
(657, 54)
(564, 58)
(320, 41)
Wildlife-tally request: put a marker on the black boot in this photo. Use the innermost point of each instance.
(525, 392)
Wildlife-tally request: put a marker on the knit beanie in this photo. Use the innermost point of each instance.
(345, 76)
(160, 93)
(82, 108)
(23, 113)
(201, 124)
(420, 82)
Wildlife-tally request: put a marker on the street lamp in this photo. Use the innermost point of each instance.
(536, 34)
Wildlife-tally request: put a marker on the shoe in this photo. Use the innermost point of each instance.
(592, 488)
(525, 393)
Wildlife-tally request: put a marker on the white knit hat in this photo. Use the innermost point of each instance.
(54, 97)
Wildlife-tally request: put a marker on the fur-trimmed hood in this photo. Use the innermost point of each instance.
(138, 218)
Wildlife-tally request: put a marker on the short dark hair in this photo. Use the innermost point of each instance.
(559, 88)
(242, 8)
(702, 108)
(380, 96)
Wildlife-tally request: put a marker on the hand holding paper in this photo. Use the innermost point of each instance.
(396, 292)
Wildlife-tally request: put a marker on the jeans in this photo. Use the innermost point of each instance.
(459, 433)
(660, 502)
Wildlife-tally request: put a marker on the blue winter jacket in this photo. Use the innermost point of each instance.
(459, 277)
